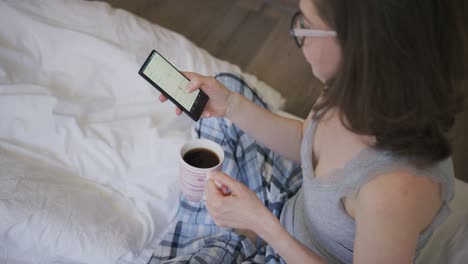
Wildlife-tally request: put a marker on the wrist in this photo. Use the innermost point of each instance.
(233, 101)
(267, 226)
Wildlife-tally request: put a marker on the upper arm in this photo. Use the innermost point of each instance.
(391, 211)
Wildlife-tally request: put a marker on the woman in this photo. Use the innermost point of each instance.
(376, 168)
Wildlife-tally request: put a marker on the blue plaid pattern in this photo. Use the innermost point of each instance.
(194, 237)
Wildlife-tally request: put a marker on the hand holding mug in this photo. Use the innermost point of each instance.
(240, 209)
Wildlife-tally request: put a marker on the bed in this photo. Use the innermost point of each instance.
(88, 157)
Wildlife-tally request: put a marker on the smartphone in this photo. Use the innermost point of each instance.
(160, 73)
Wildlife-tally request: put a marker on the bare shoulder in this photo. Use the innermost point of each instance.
(391, 212)
(400, 194)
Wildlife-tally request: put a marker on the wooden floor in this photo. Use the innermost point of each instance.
(254, 34)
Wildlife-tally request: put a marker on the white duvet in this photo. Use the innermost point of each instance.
(88, 155)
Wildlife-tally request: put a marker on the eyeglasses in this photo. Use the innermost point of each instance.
(299, 32)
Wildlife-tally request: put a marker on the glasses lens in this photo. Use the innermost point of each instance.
(298, 23)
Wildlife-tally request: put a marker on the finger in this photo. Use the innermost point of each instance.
(225, 180)
(178, 111)
(194, 85)
(193, 77)
(223, 188)
(190, 75)
(162, 98)
(197, 81)
(212, 191)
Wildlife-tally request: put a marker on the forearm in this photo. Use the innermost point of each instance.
(280, 134)
(290, 249)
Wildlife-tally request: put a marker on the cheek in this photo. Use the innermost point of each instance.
(324, 56)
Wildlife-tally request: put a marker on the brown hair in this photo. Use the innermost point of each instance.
(403, 66)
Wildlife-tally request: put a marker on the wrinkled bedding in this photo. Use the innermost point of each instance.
(88, 155)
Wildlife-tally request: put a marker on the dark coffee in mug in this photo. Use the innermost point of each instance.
(201, 158)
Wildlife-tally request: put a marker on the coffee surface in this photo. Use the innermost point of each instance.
(201, 158)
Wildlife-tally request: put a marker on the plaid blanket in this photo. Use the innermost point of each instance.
(194, 237)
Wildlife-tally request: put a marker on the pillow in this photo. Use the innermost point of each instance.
(457, 251)
(449, 243)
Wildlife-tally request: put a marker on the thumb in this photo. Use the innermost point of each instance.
(190, 75)
(195, 81)
(212, 191)
(224, 179)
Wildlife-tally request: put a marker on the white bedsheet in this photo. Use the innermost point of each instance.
(88, 156)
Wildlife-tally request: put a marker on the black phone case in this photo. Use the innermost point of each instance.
(200, 101)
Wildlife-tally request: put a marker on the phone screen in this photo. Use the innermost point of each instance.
(163, 74)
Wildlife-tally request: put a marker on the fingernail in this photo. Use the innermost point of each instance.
(218, 184)
(189, 87)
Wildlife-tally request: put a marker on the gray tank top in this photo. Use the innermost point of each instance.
(316, 215)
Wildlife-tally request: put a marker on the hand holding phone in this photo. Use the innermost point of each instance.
(221, 97)
(172, 84)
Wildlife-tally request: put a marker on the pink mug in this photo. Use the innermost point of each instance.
(197, 158)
